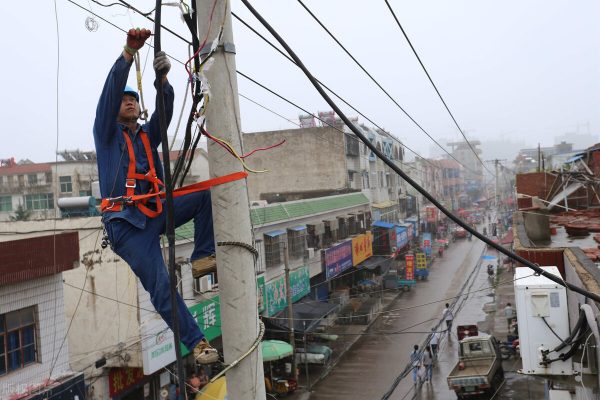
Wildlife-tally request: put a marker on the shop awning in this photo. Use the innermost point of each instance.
(376, 261)
(385, 204)
(298, 228)
(278, 232)
(273, 350)
(383, 224)
(306, 316)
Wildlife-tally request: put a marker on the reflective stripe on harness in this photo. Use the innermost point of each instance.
(140, 200)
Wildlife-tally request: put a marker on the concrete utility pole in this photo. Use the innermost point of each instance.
(231, 215)
(290, 307)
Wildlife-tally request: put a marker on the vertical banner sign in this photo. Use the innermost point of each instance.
(421, 261)
(431, 213)
(401, 237)
(338, 259)
(427, 243)
(409, 271)
(362, 248)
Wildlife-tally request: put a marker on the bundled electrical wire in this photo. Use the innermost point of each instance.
(575, 340)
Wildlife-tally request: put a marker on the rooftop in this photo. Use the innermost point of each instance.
(290, 210)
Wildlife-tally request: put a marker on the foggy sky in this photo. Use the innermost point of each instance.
(512, 70)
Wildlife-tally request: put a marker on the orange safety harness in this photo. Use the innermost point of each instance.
(113, 204)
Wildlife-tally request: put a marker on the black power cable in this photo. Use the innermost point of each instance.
(170, 226)
(407, 178)
(435, 87)
(328, 88)
(180, 171)
(379, 85)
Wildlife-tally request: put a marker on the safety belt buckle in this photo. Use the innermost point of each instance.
(130, 183)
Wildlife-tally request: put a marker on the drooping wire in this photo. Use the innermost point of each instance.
(380, 86)
(328, 88)
(407, 178)
(436, 89)
(227, 146)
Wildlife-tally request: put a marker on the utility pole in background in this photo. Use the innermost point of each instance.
(497, 188)
(290, 307)
(231, 215)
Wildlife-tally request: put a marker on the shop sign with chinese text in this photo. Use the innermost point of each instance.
(421, 261)
(401, 237)
(362, 247)
(275, 293)
(431, 213)
(338, 259)
(121, 379)
(409, 271)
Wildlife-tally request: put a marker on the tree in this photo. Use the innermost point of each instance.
(21, 214)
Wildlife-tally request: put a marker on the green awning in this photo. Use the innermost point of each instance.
(273, 350)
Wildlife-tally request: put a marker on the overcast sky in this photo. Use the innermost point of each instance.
(522, 70)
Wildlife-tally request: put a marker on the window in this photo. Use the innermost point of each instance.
(85, 193)
(352, 147)
(32, 179)
(65, 184)
(274, 248)
(5, 203)
(21, 180)
(48, 176)
(18, 344)
(44, 201)
(297, 242)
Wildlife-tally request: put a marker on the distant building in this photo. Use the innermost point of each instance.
(543, 158)
(321, 161)
(38, 187)
(473, 168)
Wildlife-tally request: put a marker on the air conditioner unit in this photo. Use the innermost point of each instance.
(309, 253)
(542, 315)
(203, 284)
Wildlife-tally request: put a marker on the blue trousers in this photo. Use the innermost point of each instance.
(141, 249)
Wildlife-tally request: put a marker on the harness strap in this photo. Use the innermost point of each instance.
(139, 200)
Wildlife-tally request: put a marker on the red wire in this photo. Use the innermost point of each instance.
(263, 148)
(208, 135)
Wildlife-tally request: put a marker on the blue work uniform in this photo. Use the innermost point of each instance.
(134, 236)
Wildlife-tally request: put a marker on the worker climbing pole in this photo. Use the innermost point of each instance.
(131, 183)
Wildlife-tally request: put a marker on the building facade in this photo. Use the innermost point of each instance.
(33, 326)
(318, 161)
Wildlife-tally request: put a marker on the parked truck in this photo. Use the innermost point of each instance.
(478, 371)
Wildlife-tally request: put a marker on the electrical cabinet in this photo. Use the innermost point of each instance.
(541, 308)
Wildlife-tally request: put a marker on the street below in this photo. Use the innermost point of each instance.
(369, 369)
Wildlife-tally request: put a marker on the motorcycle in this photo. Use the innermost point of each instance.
(509, 349)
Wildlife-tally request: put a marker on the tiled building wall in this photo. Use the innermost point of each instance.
(47, 295)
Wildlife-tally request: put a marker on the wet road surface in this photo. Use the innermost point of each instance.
(369, 368)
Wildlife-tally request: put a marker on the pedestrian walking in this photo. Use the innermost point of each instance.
(448, 317)
(427, 361)
(434, 342)
(415, 361)
(509, 314)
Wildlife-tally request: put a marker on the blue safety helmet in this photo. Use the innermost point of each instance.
(130, 91)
